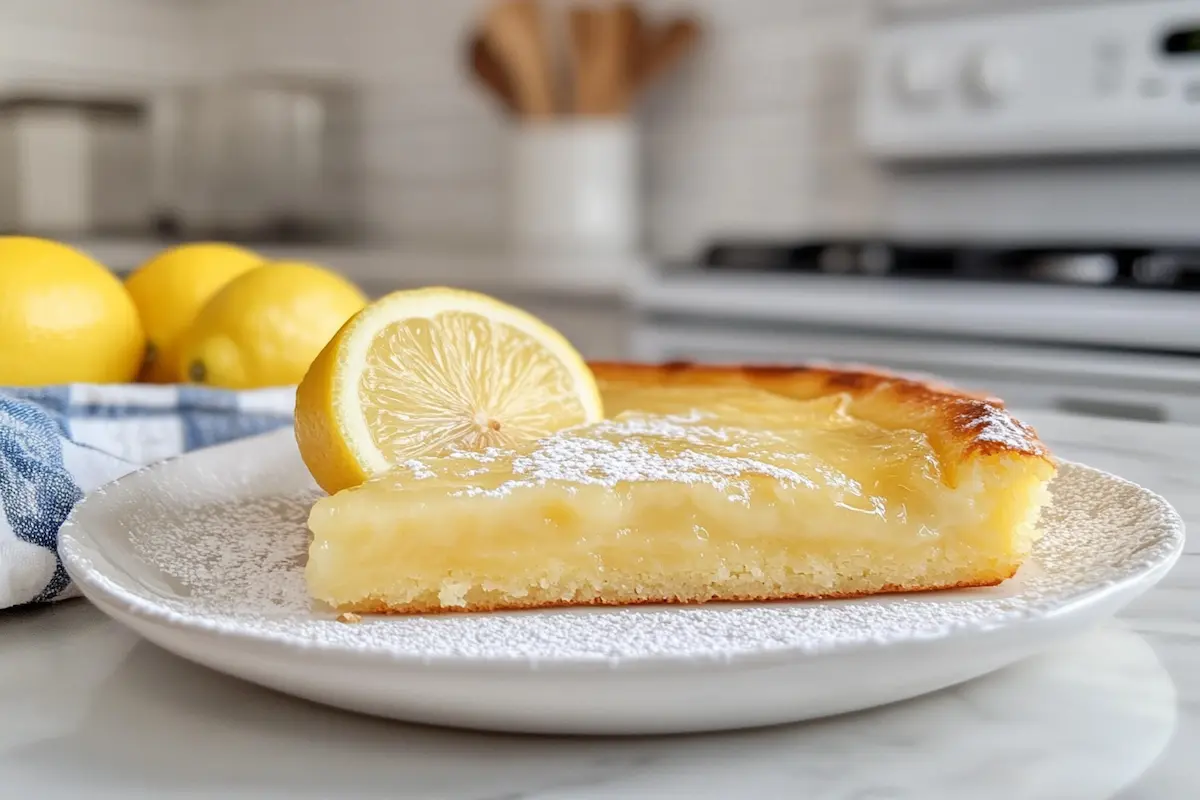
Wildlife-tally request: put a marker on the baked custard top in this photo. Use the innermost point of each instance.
(960, 425)
(743, 442)
(865, 436)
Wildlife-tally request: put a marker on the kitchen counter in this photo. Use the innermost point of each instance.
(380, 267)
(584, 298)
(92, 711)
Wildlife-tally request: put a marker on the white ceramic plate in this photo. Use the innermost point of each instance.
(204, 556)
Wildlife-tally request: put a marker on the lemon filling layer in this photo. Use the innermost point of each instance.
(738, 494)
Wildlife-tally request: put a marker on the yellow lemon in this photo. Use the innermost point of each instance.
(265, 327)
(169, 291)
(64, 318)
(421, 372)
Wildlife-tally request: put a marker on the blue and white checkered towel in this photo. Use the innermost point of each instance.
(58, 442)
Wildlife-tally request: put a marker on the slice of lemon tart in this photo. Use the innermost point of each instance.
(699, 484)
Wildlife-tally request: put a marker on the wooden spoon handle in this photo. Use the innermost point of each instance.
(664, 49)
(610, 50)
(513, 29)
(581, 22)
(628, 45)
(490, 72)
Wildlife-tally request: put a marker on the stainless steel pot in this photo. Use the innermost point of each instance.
(73, 166)
(257, 158)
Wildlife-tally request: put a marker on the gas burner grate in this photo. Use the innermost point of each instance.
(1085, 264)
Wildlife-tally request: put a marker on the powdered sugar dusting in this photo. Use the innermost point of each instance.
(686, 449)
(217, 541)
(632, 450)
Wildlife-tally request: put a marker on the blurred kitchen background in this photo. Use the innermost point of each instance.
(1002, 193)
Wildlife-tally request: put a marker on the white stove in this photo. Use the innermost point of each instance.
(1103, 78)
(1067, 132)
(1084, 350)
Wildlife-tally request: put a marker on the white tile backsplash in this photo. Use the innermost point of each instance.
(754, 135)
(435, 214)
(438, 152)
(100, 43)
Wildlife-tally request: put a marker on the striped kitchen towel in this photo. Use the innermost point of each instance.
(58, 442)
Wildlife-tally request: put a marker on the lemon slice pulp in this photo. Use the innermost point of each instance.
(425, 372)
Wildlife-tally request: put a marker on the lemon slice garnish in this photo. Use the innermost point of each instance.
(428, 371)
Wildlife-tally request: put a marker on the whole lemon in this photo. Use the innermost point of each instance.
(169, 291)
(64, 318)
(265, 327)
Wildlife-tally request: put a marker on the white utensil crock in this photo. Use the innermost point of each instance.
(576, 187)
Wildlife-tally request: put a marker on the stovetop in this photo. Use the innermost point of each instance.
(1093, 264)
(1083, 327)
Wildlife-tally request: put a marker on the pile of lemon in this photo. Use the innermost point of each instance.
(209, 313)
(418, 372)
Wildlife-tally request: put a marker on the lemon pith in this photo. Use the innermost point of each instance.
(424, 371)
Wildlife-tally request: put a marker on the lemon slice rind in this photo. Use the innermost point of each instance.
(346, 435)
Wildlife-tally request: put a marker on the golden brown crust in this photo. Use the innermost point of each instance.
(376, 606)
(960, 425)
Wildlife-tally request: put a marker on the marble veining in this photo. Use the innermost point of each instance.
(92, 711)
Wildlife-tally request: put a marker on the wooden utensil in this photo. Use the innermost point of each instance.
(635, 32)
(614, 55)
(581, 24)
(513, 30)
(663, 49)
(629, 33)
(487, 68)
(610, 42)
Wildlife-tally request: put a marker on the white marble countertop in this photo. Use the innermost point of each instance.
(90, 711)
(379, 265)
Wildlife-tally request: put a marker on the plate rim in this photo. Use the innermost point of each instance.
(75, 542)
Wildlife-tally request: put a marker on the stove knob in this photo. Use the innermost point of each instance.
(876, 259)
(918, 79)
(1158, 269)
(836, 259)
(990, 76)
(1090, 268)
